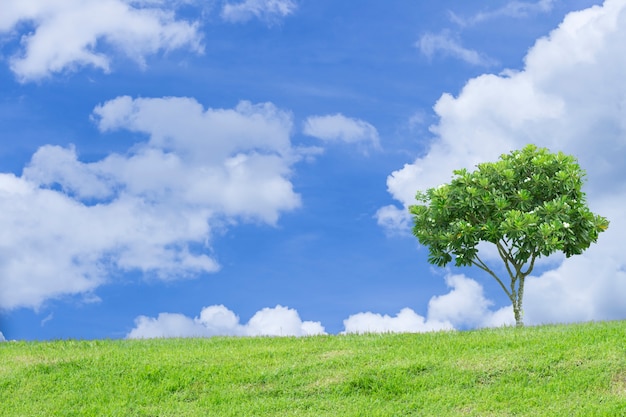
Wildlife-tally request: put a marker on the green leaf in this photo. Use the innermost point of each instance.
(530, 202)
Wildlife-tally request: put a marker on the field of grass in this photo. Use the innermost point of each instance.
(573, 370)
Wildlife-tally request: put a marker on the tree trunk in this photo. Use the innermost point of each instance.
(519, 321)
(516, 299)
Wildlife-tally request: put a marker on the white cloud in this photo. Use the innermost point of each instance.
(586, 287)
(69, 226)
(267, 10)
(68, 34)
(217, 320)
(340, 128)
(234, 161)
(48, 318)
(431, 44)
(447, 44)
(516, 9)
(394, 220)
(570, 97)
(465, 306)
(281, 321)
(2, 339)
(215, 133)
(406, 321)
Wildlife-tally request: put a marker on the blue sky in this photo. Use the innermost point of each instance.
(195, 168)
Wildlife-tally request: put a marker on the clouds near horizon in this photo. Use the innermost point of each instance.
(549, 104)
(463, 307)
(406, 321)
(218, 320)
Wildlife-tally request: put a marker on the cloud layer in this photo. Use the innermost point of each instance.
(464, 306)
(69, 34)
(68, 225)
(571, 97)
(217, 320)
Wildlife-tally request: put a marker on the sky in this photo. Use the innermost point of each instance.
(192, 168)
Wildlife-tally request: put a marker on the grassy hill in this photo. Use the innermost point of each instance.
(573, 370)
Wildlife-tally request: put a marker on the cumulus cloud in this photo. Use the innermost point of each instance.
(267, 10)
(444, 43)
(67, 34)
(465, 306)
(569, 97)
(586, 287)
(2, 339)
(339, 128)
(218, 320)
(406, 321)
(68, 226)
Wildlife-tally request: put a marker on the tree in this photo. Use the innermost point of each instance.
(528, 204)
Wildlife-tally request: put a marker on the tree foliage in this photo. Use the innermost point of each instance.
(529, 204)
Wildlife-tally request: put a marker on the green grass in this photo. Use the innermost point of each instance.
(574, 370)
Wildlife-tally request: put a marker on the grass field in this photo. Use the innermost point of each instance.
(573, 370)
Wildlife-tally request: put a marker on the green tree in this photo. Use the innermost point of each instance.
(528, 204)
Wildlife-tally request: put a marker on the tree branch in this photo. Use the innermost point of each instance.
(506, 257)
(530, 267)
(485, 268)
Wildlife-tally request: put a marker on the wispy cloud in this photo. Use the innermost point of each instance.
(48, 318)
(266, 10)
(516, 9)
(445, 44)
(339, 128)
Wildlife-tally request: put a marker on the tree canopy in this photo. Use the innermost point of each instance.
(529, 204)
